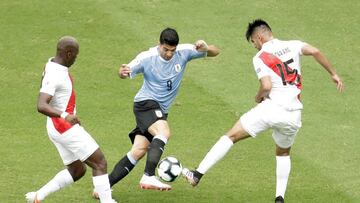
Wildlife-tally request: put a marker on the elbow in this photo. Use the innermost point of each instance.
(40, 108)
(216, 51)
(213, 51)
(266, 87)
(213, 54)
(315, 52)
(267, 91)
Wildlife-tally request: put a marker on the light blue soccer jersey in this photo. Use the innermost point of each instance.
(162, 78)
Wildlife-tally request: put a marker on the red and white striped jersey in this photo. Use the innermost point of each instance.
(57, 82)
(281, 61)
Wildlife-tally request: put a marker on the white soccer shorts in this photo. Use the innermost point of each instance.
(267, 114)
(74, 144)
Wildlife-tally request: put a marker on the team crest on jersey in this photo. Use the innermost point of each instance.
(158, 113)
(177, 68)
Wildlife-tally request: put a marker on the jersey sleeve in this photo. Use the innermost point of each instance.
(48, 84)
(190, 52)
(298, 45)
(260, 68)
(136, 65)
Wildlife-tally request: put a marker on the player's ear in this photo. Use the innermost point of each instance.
(258, 36)
(68, 54)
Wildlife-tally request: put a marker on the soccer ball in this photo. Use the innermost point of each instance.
(169, 169)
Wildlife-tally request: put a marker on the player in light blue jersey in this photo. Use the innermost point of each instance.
(162, 77)
(163, 68)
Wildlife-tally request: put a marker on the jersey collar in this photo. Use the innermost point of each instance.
(273, 41)
(58, 66)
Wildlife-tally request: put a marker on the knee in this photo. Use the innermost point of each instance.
(138, 153)
(167, 135)
(237, 136)
(237, 133)
(77, 172)
(98, 163)
(233, 137)
(101, 164)
(282, 151)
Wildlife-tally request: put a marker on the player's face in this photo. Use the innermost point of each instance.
(72, 56)
(167, 51)
(256, 41)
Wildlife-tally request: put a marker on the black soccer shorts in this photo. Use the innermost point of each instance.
(146, 113)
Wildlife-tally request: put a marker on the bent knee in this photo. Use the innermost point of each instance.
(77, 172)
(138, 152)
(100, 164)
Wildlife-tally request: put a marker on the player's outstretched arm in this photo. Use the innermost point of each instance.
(324, 62)
(211, 50)
(124, 71)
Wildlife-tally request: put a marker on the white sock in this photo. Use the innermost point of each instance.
(161, 137)
(131, 158)
(216, 153)
(61, 180)
(283, 166)
(102, 187)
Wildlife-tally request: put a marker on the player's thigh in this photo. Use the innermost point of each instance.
(257, 119)
(284, 132)
(237, 132)
(147, 113)
(140, 147)
(160, 127)
(66, 155)
(78, 142)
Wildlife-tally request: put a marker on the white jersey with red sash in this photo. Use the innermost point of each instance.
(57, 82)
(281, 61)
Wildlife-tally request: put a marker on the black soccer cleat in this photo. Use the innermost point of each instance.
(279, 199)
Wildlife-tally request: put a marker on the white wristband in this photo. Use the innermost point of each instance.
(64, 114)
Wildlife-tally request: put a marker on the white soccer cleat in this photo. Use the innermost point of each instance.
(31, 197)
(189, 176)
(153, 183)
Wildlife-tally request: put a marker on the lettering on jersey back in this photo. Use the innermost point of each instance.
(282, 52)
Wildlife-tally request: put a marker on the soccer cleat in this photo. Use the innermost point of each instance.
(31, 197)
(189, 176)
(279, 199)
(153, 183)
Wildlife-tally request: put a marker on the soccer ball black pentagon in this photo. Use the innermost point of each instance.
(169, 169)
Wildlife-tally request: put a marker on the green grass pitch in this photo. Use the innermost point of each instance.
(214, 93)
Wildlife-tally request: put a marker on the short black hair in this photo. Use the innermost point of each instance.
(255, 24)
(169, 36)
